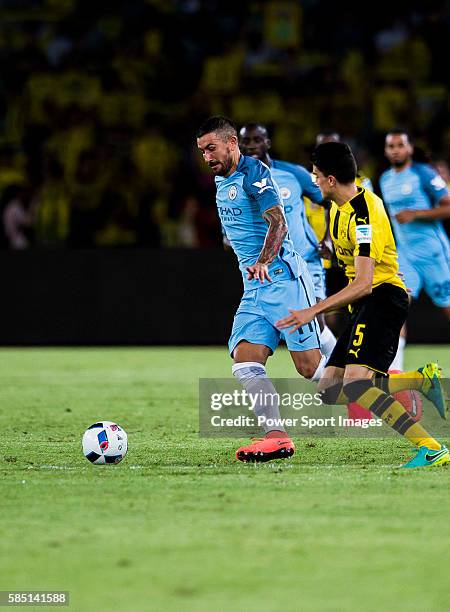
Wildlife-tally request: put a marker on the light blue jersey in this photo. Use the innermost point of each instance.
(300, 231)
(242, 198)
(423, 246)
(295, 181)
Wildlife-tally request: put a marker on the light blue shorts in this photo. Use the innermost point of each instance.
(317, 274)
(431, 274)
(261, 308)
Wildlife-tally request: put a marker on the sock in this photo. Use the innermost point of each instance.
(320, 368)
(334, 395)
(401, 382)
(327, 341)
(254, 379)
(391, 411)
(397, 364)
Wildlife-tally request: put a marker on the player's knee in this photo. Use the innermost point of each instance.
(311, 365)
(353, 389)
(307, 369)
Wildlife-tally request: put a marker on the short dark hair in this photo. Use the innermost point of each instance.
(398, 132)
(335, 158)
(252, 125)
(217, 124)
(327, 133)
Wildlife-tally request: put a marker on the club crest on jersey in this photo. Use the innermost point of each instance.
(285, 193)
(232, 192)
(407, 188)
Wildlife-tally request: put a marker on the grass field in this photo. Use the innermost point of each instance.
(180, 525)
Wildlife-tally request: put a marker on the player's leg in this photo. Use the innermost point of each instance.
(375, 334)
(247, 351)
(309, 363)
(359, 387)
(398, 361)
(413, 282)
(331, 383)
(304, 343)
(434, 274)
(374, 329)
(426, 379)
(253, 340)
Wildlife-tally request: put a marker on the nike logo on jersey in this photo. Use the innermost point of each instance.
(262, 185)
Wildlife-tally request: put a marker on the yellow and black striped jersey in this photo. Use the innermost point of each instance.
(316, 214)
(361, 227)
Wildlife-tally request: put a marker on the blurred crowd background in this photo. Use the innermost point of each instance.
(100, 102)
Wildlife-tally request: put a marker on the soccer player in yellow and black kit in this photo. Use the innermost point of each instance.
(357, 368)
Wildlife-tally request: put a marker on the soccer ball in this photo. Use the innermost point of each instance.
(410, 400)
(105, 442)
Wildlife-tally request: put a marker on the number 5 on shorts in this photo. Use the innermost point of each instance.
(359, 334)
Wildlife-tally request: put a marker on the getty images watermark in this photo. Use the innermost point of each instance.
(295, 401)
(227, 410)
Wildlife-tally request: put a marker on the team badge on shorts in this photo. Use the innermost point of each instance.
(285, 193)
(232, 192)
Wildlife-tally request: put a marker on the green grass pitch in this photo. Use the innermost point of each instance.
(180, 525)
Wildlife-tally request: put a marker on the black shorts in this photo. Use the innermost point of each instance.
(335, 279)
(371, 337)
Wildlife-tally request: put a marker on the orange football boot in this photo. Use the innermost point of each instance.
(266, 449)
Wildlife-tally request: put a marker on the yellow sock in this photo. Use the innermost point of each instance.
(403, 381)
(342, 399)
(394, 415)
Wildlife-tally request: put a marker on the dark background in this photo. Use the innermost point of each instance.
(104, 297)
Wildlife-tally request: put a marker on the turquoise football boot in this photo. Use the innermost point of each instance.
(432, 387)
(426, 457)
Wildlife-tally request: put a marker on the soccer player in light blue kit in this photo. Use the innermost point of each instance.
(274, 275)
(417, 200)
(294, 181)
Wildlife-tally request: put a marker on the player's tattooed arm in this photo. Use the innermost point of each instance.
(272, 244)
(275, 234)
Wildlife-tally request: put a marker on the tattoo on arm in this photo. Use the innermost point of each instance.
(275, 234)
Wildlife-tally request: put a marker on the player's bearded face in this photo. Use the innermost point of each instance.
(217, 153)
(397, 149)
(222, 161)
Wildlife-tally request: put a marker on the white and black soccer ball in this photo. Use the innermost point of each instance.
(105, 442)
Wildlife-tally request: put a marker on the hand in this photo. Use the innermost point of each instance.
(296, 319)
(406, 216)
(325, 250)
(258, 271)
